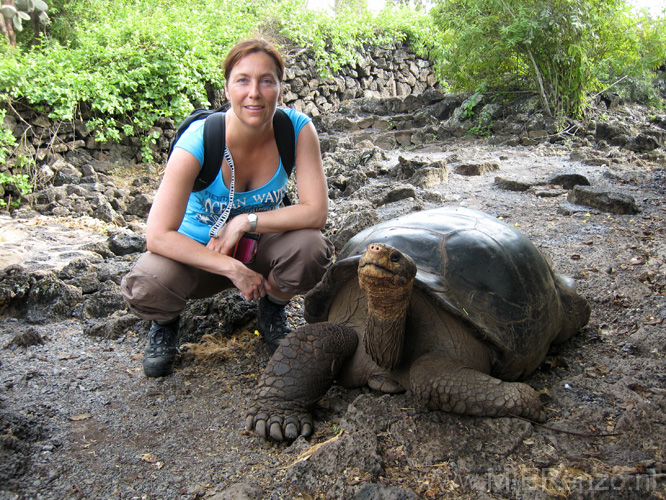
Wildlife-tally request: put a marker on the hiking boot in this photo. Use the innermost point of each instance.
(272, 323)
(162, 348)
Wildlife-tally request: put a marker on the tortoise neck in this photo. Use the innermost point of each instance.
(385, 329)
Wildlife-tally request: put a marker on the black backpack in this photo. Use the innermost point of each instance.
(214, 142)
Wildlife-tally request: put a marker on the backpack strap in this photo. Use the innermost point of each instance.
(214, 143)
(285, 138)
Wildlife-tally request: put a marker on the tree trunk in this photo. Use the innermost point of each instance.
(7, 27)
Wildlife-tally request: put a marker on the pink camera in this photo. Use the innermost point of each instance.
(246, 248)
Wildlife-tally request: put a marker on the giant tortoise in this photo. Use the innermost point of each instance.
(451, 304)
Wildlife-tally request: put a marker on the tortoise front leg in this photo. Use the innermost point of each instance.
(443, 383)
(298, 375)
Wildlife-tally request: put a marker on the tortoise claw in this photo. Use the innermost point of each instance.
(256, 423)
(276, 432)
(306, 430)
(249, 423)
(291, 428)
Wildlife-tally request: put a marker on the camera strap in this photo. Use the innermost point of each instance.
(222, 219)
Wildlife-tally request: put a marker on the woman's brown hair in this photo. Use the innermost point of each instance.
(250, 46)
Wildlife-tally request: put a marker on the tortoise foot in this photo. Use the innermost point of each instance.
(279, 424)
(446, 384)
(385, 384)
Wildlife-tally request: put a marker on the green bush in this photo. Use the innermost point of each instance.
(630, 72)
(123, 64)
(558, 48)
(7, 139)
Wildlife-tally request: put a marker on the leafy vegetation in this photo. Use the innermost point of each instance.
(563, 49)
(7, 139)
(21, 182)
(122, 64)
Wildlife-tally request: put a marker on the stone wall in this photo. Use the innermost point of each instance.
(382, 72)
(392, 71)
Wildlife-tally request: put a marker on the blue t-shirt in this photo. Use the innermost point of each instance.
(204, 207)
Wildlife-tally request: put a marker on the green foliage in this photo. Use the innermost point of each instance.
(336, 38)
(20, 181)
(470, 103)
(122, 71)
(630, 72)
(122, 64)
(7, 139)
(557, 48)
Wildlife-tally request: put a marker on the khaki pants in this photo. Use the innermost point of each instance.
(157, 288)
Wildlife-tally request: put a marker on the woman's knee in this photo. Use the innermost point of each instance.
(148, 296)
(316, 248)
(304, 258)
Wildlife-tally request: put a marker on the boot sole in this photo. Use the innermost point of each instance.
(157, 371)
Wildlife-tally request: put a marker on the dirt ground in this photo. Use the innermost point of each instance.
(78, 419)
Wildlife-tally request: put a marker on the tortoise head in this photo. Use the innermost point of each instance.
(387, 276)
(576, 310)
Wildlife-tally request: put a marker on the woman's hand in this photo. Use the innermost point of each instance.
(230, 234)
(252, 285)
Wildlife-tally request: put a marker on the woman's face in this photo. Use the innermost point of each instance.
(253, 89)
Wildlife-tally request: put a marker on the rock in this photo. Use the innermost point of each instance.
(514, 184)
(106, 213)
(566, 208)
(383, 194)
(223, 314)
(406, 167)
(569, 180)
(546, 192)
(353, 224)
(348, 454)
(615, 133)
(527, 141)
(65, 173)
(27, 338)
(239, 491)
(476, 168)
(124, 242)
(607, 201)
(101, 303)
(15, 450)
(430, 176)
(646, 142)
(114, 326)
(15, 284)
(48, 298)
(374, 491)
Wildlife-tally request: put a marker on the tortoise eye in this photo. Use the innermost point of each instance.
(395, 257)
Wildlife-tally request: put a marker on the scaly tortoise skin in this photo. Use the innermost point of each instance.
(449, 303)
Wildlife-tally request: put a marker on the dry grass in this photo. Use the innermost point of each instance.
(214, 348)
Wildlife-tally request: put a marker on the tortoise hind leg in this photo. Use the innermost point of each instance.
(443, 383)
(299, 374)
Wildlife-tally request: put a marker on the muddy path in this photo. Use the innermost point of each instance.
(78, 419)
